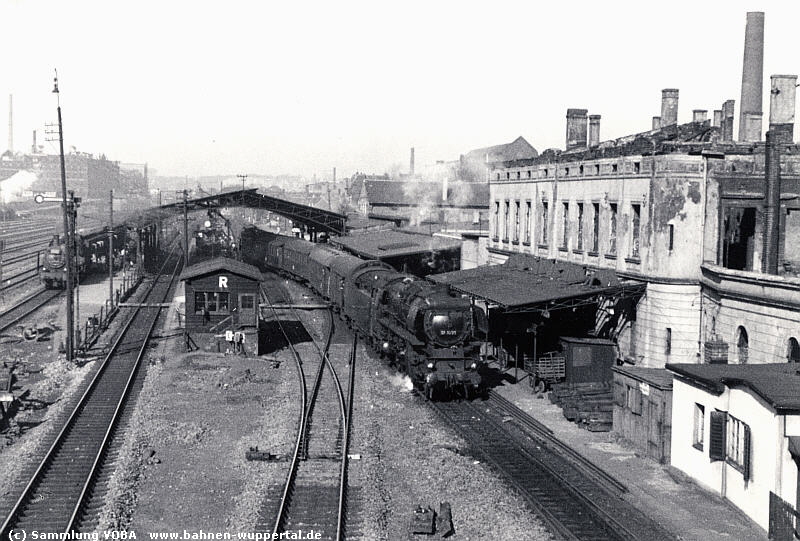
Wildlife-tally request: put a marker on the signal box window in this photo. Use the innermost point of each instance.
(211, 301)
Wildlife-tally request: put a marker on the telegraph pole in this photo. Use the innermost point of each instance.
(111, 247)
(67, 207)
(185, 229)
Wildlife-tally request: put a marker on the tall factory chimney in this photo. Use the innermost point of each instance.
(656, 123)
(699, 115)
(11, 123)
(750, 113)
(594, 130)
(411, 164)
(576, 128)
(34, 148)
(772, 202)
(669, 107)
(728, 109)
(334, 176)
(781, 107)
(717, 122)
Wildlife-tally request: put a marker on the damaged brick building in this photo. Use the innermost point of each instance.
(683, 208)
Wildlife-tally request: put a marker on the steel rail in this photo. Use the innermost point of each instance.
(49, 455)
(37, 299)
(342, 518)
(128, 384)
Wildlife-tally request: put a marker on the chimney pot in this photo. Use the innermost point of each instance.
(728, 109)
(699, 115)
(594, 130)
(656, 123)
(669, 107)
(781, 107)
(576, 128)
(717, 122)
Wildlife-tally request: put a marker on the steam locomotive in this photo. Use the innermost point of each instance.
(419, 327)
(213, 238)
(91, 256)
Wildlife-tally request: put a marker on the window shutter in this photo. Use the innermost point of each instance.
(716, 447)
(746, 456)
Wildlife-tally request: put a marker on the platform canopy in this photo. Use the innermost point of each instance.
(526, 284)
(314, 218)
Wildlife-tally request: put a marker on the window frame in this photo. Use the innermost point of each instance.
(698, 433)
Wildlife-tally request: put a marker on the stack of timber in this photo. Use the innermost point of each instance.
(590, 405)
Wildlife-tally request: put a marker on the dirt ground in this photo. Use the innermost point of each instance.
(183, 467)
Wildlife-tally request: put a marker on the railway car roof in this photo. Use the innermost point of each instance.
(391, 243)
(533, 284)
(323, 254)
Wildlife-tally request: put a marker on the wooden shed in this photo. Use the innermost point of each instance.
(588, 360)
(221, 294)
(643, 409)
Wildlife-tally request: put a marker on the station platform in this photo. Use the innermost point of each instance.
(662, 492)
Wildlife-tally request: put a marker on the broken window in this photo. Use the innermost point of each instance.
(528, 222)
(636, 219)
(580, 226)
(496, 220)
(791, 248)
(595, 227)
(612, 229)
(565, 239)
(544, 222)
(516, 224)
(742, 345)
(738, 243)
(793, 352)
(505, 223)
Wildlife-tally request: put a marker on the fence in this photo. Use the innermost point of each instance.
(96, 324)
(782, 520)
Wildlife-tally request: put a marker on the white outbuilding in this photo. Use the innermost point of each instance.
(736, 431)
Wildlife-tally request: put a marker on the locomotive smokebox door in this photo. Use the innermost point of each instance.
(422, 520)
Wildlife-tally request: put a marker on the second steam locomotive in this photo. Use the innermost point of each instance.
(419, 327)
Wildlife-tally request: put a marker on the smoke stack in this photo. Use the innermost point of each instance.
(576, 128)
(772, 202)
(781, 107)
(411, 166)
(334, 175)
(34, 148)
(717, 122)
(10, 123)
(699, 115)
(727, 120)
(750, 113)
(656, 123)
(594, 130)
(669, 107)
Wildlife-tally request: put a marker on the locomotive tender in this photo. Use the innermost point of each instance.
(419, 327)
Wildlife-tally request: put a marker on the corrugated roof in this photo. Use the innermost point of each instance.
(392, 243)
(778, 383)
(527, 280)
(221, 263)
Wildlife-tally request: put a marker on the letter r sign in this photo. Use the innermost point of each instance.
(223, 282)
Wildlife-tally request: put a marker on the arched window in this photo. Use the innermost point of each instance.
(793, 351)
(742, 345)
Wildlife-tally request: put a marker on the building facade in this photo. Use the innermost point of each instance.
(679, 209)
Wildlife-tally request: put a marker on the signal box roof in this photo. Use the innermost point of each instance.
(389, 244)
(214, 266)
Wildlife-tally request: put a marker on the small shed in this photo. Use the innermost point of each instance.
(643, 409)
(588, 360)
(221, 294)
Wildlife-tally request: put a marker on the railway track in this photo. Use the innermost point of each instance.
(315, 493)
(575, 504)
(54, 499)
(25, 307)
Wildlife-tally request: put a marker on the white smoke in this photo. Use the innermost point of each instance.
(12, 188)
(402, 382)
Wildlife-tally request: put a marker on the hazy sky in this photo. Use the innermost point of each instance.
(201, 88)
